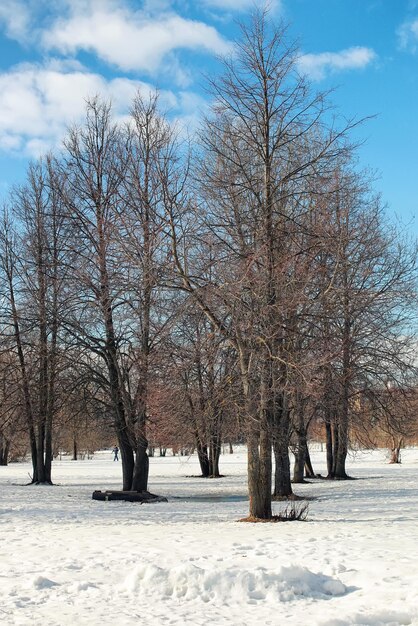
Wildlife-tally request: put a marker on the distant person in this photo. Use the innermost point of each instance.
(115, 453)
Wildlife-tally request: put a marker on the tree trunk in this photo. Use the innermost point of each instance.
(259, 474)
(335, 445)
(301, 444)
(341, 438)
(395, 456)
(343, 416)
(4, 450)
(309, 470)
(396, 450)
(299, 467)
(54, 325)
(48, 449)
(329, 448)
(202, 455)
(341, 454)
(214, 454)
(282, 481)
(121, 426)
(141, 466)
(23, 371)
(259, 459)
(127, 457)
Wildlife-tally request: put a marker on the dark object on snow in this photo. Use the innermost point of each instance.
(144, 497)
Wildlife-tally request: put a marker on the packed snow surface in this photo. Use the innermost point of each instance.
(66, 559)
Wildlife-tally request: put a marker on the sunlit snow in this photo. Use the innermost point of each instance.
(66, 559)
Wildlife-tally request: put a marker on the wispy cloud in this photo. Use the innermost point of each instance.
(317, 66)
(16, 18)
(241, 5)
(408, 35)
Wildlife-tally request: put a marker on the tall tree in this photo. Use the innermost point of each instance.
(265, 139)
(93, 171)
(150, 150)
(30, 261)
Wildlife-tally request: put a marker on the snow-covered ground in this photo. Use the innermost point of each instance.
(66, 559)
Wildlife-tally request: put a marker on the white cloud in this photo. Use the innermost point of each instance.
(142, 40)
(131, 40)
(16, 17)
(38, 103)
(408, 35)
(10, 142)
(241, 5)
(317, 66)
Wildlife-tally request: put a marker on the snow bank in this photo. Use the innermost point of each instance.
(233, 585)
(382, 618)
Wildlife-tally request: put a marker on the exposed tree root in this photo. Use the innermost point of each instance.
(340, 478)
(46, 483)
(291, 498)
(201, 476)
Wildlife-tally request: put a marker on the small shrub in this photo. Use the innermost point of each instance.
(294, 512)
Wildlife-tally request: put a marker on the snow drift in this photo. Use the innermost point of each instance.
(234, 585)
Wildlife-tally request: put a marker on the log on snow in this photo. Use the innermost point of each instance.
(144, 497)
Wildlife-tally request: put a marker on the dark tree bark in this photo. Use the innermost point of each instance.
(203, 457)
(281, 440)
(4, 449)
(214, 455)
(259, 474)
(329, 444)
(301, 446)
(309, 470)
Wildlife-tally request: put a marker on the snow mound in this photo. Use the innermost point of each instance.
(81, 586)
(381, 618)
(40, 582)
(233, 585)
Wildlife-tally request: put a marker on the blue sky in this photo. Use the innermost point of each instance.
(54, 53)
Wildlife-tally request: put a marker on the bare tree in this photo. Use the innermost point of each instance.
(365, 312)
(265, 139)
(30, 258)
(150, 149)
(92, 169)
